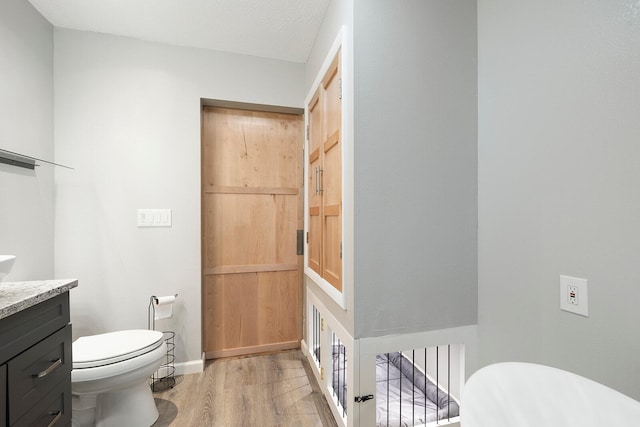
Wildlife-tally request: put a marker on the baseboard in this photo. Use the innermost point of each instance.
(190, 367)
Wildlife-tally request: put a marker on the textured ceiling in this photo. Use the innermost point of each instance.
(281, 29)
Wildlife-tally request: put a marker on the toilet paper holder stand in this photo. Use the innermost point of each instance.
(151, 313)
(164, 377)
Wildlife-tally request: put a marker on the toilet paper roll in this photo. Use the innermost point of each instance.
(163, 306)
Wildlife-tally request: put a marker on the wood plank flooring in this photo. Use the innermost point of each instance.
(276, 389)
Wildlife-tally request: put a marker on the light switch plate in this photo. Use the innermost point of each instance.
(574, 296)
(154, 217)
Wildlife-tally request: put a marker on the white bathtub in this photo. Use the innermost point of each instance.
(529, 395)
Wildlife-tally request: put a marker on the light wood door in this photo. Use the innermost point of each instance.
(325, 178)
(332, 177)
(316, 135)
(251, 209)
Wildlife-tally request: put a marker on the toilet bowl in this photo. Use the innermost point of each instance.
(110, 378)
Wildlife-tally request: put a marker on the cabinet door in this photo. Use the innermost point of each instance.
(316, 131)
(332, 177)
(53, 410)
(3, 395)
(24, 328)
(325, 178)
(35, 372)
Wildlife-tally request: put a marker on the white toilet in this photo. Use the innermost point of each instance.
(110, 378)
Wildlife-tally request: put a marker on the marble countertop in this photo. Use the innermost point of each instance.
(18, 296)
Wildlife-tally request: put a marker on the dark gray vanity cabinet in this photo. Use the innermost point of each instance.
(3, 394)
(35, 365)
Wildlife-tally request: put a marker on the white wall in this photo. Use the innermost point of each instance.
(127, 116)
(559, 193)
(415, 165)
(26, 127)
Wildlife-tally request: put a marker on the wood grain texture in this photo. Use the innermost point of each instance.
(325, 173)
(251, 209)
(244, 148)
(244, 229)
(252, 268)
(269, 390)
(316, 125)
(247, 310)
(218, 189)
(332, 88)
(332, 179)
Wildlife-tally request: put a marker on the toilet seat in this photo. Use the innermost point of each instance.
(113, 347)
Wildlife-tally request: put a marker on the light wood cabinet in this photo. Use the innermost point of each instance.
(324, 220)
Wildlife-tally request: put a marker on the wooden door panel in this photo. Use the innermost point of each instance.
(253, 236)
(251, 209)
(315, 239)
(325, 178)
(276, 289)
(251, 149)
(249, 239)
(286, 224)
(316, 125)
(332, 175)
(316, 136)
(228, 319)
(245, 311)
(315, 201)
(333, 98)
(332, 263)
(332, 213)
(314, 173)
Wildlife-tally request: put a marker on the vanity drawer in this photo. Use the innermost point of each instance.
(34, 373)
(21, 330)
(53, 410)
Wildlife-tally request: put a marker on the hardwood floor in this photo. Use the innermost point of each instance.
(276, 389)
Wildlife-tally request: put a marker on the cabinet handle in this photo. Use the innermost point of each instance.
(50, 369)
(57, 417)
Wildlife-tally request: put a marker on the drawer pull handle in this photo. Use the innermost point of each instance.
(50, 369)
(57, 417)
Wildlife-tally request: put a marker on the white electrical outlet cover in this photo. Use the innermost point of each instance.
(581, 297)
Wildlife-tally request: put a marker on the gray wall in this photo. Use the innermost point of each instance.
(559, 184)
(128, 118)
(26, 126)
(339, 13)
(415, 165)
(338, 17)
